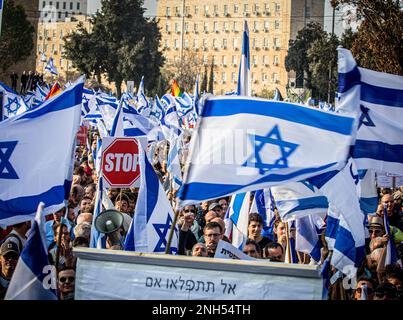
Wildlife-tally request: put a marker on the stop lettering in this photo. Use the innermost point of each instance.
(120, 162)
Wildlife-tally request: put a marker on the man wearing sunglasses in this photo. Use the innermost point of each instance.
(364, 290)
(9, 254)
(66, 283)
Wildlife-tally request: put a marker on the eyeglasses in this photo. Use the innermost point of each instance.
(187, 210)
(212, 235)
(375, 231)
(369, 290)
(64, 279)
(250, 252)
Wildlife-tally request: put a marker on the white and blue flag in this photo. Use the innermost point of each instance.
(368, 192)
(263, 203)
(377, 99)
(98, 239)
(153, 217)
(391, 255)
(245, 144)
(244, 79)
(11, 101)
(29, 279)
(299, 199)
(174, 165)
(308, 237)
(236, 228)
(50, 67)
(45, 135)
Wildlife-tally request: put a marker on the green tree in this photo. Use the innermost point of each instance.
(378, 43)
(297, 58)
(122, 43)
(211, 79)
(16, 39)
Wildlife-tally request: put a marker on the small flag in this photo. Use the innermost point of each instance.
(50, 67)
(54, 91)
(244, 79)
(176, 91)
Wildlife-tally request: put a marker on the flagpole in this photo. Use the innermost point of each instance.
(287, 234)
(171, 232)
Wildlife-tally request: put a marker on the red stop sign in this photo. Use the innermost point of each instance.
(120, 162)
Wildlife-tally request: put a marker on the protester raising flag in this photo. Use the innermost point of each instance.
(33, 277)
(47, 134)
(303, 142)
(153, 217)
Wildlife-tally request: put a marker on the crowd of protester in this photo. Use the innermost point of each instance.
(201, 227)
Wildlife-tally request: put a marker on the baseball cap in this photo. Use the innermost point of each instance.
(214, 205)
(9, 246)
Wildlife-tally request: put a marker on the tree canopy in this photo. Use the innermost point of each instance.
(16, 39)
(122, 43)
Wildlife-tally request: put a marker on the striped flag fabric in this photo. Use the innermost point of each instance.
(307, 237)
(377, 100)
(259, 143)
(263, 203)
(28, 281)
(391, 255)
(50, 67)
(244, 78)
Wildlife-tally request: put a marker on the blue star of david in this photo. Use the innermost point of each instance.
(364, 118)
(308, 185)
(85, 99)
(162, 231)
(356, 177)
(6, 169)
(10, 103)
(274, 138)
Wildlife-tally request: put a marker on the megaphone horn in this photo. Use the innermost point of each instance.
(109, 221)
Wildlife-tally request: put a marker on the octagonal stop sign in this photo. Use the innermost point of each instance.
(120, 162)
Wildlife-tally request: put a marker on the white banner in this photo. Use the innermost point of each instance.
(226, 250)
(101, 276)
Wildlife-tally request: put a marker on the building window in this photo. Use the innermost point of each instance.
(167, 27)
(236, 8)
(186, 44)
(64, 5)
(45, 49)
(43, 4)
(216, 10)
(256, 9)
(54, 34)
(204, 43)
(186, 27)
(255, 26)
(59, 15)
(205, 60)
(224, 43)
(274, 77)
(225, 9)
(265, 60)
(253, 76)
(215, 26)
(277, 7)
(254, 43)
(50, 3)
(71, 5)
(234, 60)
(233, 77)
(264, 77)
(166, 44)
(235, 43)
(187, 10)
(215, 46)
(254, 61)
(245, 9)
(39, 48)
(60, 47)
(276, 24)
(267, 7)
(168, 11)
(275, 60)
(224, 60)
(206, 27)
(195, 44)
(225, 26)
(176, 44)
(57, 5)
(265, 42)
(307, 12)
(235, 26)
(196, 10)
(177, 12)
(177, 27)
(224, 77)
(196, 27)
(206, 11)
(266, 26)
(78, 5)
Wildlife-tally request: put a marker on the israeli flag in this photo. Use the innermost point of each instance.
(195, 101)
(46, 135)
(263, 203)
(135, 124)
(153, 217)
(307, 235)
(244, 84)
(340, 188)
(299, 199)
(245, 144)
(33, 276)
(50, 67)
(41, 93)
(117, 124)
(107, 109)
(11, 101)
(368, 192)
(236, 228)
(377, 99)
